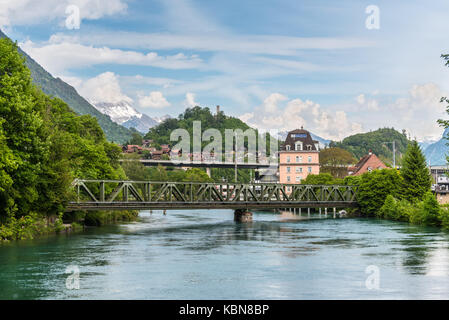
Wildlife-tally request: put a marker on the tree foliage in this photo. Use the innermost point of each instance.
(360, 144)
(416, 176)
(335, 161)
(44, 145)
(374, 187)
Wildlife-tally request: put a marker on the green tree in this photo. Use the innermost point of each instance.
(431, 210)
(416, 176)
(336, 161)
(374, 187)
(388, 209)
(322, 178)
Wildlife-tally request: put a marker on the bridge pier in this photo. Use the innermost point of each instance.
(243, 215)
(208, 172)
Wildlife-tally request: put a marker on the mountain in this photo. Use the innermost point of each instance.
(124, 114)
(58, 88)
(323, 142)
(436, 152)
(378, 141)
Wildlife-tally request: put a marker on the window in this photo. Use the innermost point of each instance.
(309, 169)
(288, 158)
(309, 147)
(288, 178)
(370, 169)
(298, 179)
(288, 169)
(298, 169)
(300, 159)
(287, 147)
(289, 189)
(309, 159)
(297, 158)
(298, 145)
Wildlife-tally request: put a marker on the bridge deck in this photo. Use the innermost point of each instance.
(140, 195)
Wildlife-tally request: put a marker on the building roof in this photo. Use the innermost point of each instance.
(365, 163)
(299, 135)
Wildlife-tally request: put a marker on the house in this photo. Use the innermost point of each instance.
(156, 155)
(366, 164)
(165, 148)
(131, 148)
(298, 157)
(147, 143)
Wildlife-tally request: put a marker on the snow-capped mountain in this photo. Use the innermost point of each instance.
(123, 113)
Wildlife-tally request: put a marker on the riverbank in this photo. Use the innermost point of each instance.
(33, 226)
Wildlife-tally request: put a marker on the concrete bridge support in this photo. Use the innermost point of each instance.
(208, 172)
(243, 215)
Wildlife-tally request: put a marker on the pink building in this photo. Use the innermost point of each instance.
(298, 157)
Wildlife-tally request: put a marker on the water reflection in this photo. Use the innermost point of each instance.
(205, 254)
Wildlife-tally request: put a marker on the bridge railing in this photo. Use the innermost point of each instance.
(113, 191)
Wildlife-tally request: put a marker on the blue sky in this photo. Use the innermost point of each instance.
(274, 64)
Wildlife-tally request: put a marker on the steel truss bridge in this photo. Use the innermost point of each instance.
(141, 195)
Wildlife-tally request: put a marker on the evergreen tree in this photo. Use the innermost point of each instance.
(416, 176)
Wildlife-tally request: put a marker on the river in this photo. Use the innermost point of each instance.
(206, 255)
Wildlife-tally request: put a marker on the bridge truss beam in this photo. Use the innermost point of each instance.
(140, 195)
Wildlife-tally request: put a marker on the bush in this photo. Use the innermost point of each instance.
(389, 209)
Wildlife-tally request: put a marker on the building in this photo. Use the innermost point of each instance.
(366, 164)
(298, 157)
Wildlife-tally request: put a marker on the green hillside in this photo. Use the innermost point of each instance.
(58, 88)
(360, 144)
(161, 133)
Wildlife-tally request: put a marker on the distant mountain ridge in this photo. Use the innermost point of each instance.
(124, 114)
(436, 152)
(58, 88)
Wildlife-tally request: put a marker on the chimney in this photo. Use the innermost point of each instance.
(370, 152)
(218, 110)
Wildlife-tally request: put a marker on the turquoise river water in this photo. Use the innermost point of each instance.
(206, 255)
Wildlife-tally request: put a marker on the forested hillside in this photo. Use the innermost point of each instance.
(44, 145)
(378, 141)
(58, 88)
(161, 133)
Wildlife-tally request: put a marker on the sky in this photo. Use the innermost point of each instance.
(335, 67)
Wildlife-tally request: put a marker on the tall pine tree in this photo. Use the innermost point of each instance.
(416, 176)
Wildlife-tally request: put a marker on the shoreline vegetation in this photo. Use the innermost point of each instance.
(44, 146)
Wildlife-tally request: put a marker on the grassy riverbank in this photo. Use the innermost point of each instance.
(32, 226)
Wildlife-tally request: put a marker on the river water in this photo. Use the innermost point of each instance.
(206, 255)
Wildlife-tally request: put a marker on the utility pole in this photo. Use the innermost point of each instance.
(235, 157)
(394, 152)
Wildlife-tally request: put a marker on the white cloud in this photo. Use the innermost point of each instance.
(270, 103)
(417, 111)
(225, 42)
(30, 12)
(103, 88)
(59, 55)
(299, 113)
(189, 101)
(154, 100)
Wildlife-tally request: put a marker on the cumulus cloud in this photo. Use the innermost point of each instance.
(30, 12)
(416, 111)
(102, 88)
(189, 101)
(297, 113)
(154, 100)
(59, 55)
